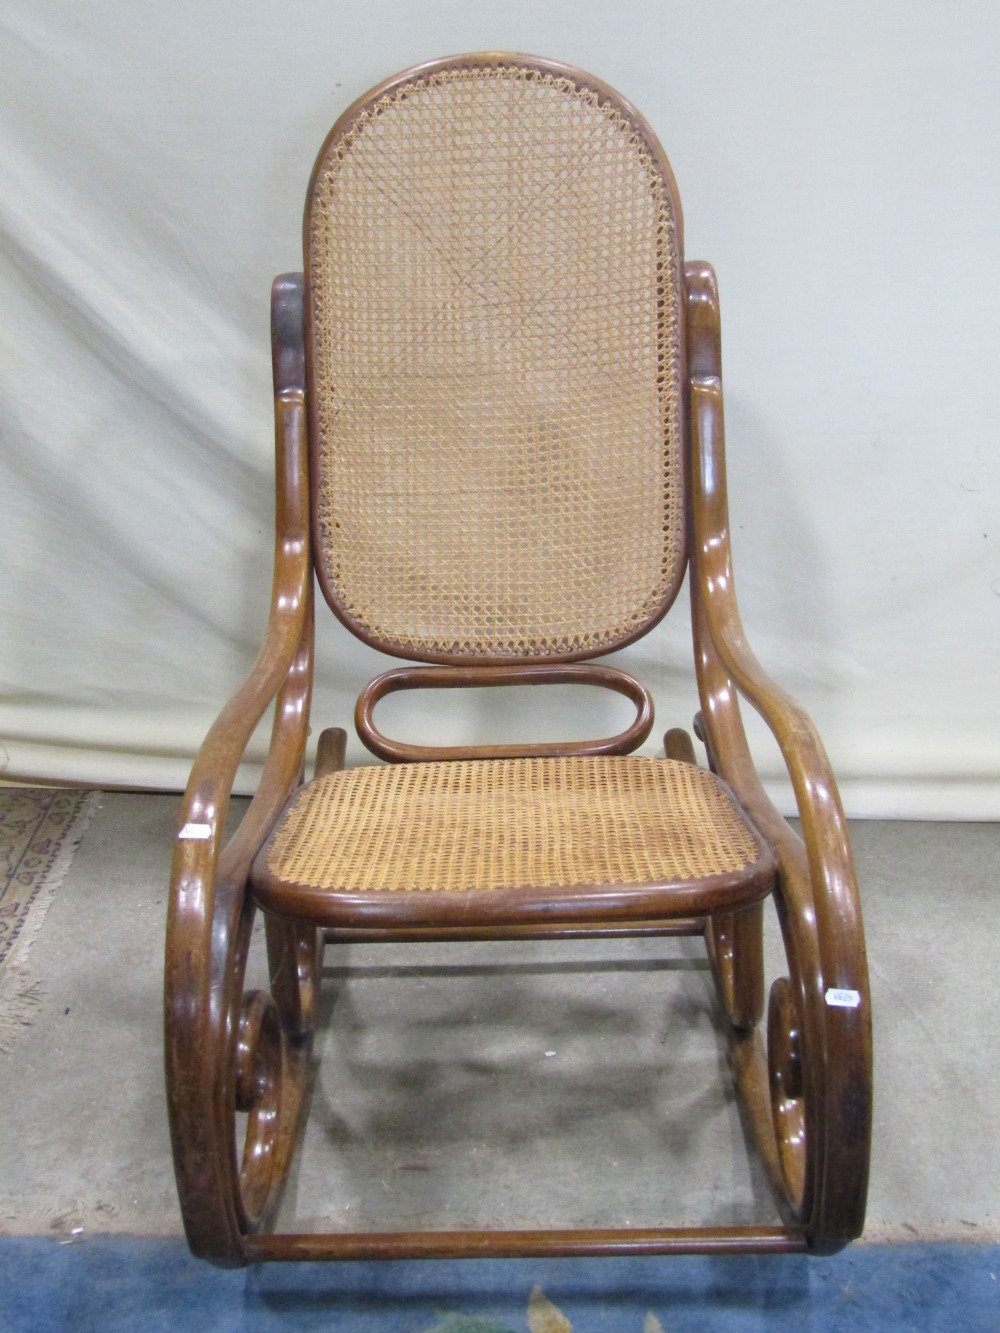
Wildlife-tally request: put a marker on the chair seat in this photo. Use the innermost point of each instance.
(511, 841)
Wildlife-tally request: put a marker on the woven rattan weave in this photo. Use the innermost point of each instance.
(493, 263)
(505, 824)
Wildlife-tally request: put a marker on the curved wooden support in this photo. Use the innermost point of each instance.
(735, 942)
(525, 1244)
(331, 751)
(260, 1078)
(787, 1086)
(210, 1033)
(816, 895)
(445, 678)
(294, 956)
(677, 744)
(700, 730)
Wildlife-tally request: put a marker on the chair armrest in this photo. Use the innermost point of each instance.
(726, 663)
(284, 663)
(722, 643)
(818, 868)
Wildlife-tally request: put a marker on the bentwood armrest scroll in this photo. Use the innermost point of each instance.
(817, 892)
(284, 662)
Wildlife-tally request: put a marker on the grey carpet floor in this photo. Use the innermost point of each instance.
(508, 1084)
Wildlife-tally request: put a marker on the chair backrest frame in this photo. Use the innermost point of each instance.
(647, 412)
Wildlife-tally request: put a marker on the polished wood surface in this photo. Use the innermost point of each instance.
(526, 1244)
(677, 744)
(225, 1193)
(426, 678)
(590, 904)
(542, 930)
(816, 896)
(331, 750)
(237, 1059)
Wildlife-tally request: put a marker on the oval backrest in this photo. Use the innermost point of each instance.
(493, 262)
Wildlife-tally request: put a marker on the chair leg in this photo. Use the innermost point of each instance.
(295, 962)
(237, 1062)
(735, 943)
(331, 753)
(735, 940)
(701, 731)
(807, 1091)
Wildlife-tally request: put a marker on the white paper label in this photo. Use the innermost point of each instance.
(843, 999)
(195, 832)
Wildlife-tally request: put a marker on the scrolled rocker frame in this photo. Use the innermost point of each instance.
(229, 1052)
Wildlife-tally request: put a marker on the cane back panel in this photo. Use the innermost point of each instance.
(493, 250)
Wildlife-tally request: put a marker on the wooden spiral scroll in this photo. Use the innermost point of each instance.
(260, 1074)
(787, 1086)
(272, 1038)
(780, 1076)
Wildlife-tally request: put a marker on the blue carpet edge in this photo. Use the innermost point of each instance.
(130, 1282)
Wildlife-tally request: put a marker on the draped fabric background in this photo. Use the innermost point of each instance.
(838, 164)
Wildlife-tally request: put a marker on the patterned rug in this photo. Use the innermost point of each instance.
(40, 829)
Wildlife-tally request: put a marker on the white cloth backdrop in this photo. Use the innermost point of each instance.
(838, 164)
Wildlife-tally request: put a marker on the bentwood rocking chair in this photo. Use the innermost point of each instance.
(500, 446)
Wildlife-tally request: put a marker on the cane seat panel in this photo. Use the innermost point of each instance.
(508, 829)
